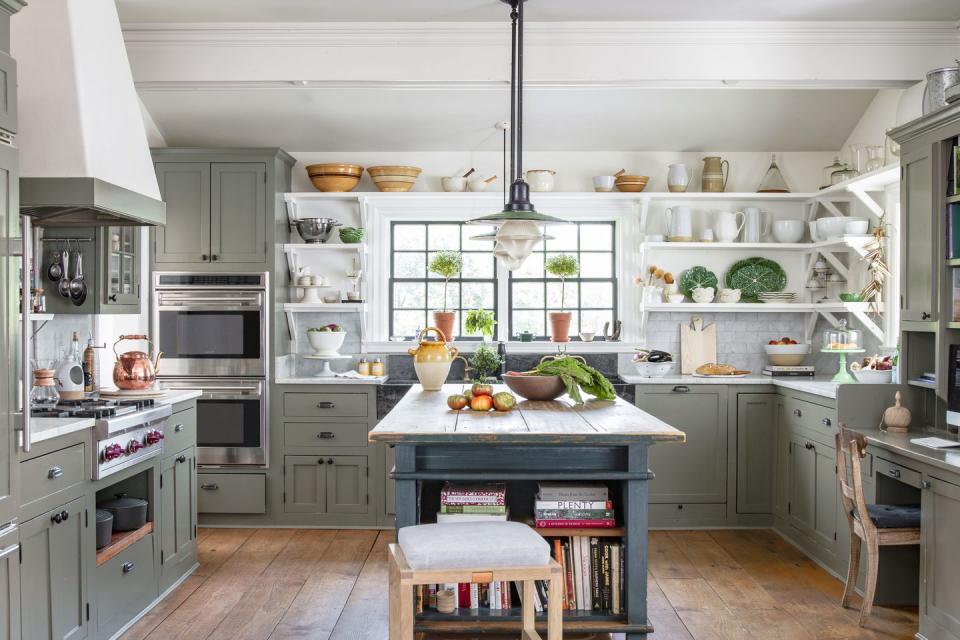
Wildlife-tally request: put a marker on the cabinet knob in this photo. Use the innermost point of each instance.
(809, 445)
(681, 388)
(204, 257)
(826, 422)
(56, 518)
(210, 487)
(797, 412)
(320, 461)
(112, 297)
(326, 404)
(64, 515)
(214, 257)
(181, 459)
(925, 484)
(329, 460)
(326, 435)
(127, 567)
(925, 316)
(178, 428)
(54, 472)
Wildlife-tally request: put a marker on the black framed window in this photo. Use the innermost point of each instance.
(591, 296)
(415, 292)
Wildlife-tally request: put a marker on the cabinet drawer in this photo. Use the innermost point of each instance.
(180, 431)
(52, 473)
(324, 434)
(883, 467)
(325, 405)
(231, 493)
(811, 416)
(125, 585)
(687, 515)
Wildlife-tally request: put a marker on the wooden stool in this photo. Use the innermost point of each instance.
(885, 525)
(475, 552)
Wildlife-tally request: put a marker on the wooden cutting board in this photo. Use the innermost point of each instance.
(698, 345)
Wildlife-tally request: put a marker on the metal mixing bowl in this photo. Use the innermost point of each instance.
(316, 230)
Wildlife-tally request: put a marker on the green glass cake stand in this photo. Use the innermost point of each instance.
(843, 375)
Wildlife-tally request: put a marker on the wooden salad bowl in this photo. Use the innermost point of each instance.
(533, 387)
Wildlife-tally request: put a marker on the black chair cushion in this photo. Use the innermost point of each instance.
(893, 516)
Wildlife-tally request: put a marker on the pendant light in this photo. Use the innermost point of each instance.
(518, 230)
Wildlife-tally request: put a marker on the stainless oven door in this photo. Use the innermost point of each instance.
(211, 332)
(232, 418)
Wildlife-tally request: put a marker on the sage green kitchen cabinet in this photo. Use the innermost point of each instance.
(701, 412)
(55, 550)
(326, 484)
(10, 584)
(10, 352)
(118, 274)
(940, 564)
(390, 488)
(782, 456)
(185, 188)
(8, 93)
(756, 437)
(178, 526)
(918, 255)
(812, 504)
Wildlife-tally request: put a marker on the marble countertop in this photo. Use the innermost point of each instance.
(178, 395)
(817, 386)
(946, 459)
(377, 380)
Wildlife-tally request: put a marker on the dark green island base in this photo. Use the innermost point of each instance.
(604, 441)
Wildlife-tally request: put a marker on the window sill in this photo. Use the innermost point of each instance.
(512, 346)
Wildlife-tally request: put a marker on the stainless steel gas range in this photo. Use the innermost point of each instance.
(125, 432)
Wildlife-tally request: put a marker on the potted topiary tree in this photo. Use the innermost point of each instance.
(447, 265)
(561, 266)
(479, 321)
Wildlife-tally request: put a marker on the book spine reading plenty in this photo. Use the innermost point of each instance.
(560, 505)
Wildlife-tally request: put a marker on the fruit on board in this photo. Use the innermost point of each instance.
(504, 401)
(457, 401)
(480, 389)
(481, 403)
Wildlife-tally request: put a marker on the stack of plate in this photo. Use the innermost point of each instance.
(394, 178)
(776, 296)
(335, 176)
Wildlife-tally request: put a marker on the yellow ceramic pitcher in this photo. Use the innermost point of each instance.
(432, 359)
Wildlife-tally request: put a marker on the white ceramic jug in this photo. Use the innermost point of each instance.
(756, 224)
(679, 224)
(678, 178)
(726, 226)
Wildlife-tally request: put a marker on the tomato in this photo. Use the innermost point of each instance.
(480, 389)
(457, 401)
(504, 401)
(481, 403)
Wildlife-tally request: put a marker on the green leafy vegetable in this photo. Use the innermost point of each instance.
(577, 376)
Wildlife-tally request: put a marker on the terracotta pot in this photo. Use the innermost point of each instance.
(443, 320)
(560, 326)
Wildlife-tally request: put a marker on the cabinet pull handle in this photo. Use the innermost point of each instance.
(178, 428)
(112, 297)
(326, 435)
(925, 316)
(210, 487)
(681, 388)
(329, 460)
(127, 567)
(826, 422)
(797, 412)
(326, 404)
(54, 472)
(924, 484)
(181, 459)
(894, 472)
(809, 445)
(320, 461)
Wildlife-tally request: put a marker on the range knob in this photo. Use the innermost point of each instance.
(153, 437)
(134, 446)
(112, 452)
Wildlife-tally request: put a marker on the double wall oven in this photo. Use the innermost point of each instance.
(213, 331)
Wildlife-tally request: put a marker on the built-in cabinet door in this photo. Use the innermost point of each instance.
(10, 584)
(783, 449)
(238, 220)
(10, 351)
(304, 484)
(178, 486)
(53, 574)
(185, 187)
(756, 436)
(119, 284)
(347, 484)
(828, 490)
(8, 93)
(802, 505)
(701, 412)
(390, 488)
(918, 241)
(940, 580)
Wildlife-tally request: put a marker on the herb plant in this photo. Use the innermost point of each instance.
(446, 264)
(485, 362)
(576, 376)
(480, 322)
(562, 266)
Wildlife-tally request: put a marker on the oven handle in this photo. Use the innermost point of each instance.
(189, 298)
(209, 307)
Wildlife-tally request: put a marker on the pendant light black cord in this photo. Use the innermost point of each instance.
(519, 121)
(514, 15)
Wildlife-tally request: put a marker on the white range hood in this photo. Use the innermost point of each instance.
(84, 157)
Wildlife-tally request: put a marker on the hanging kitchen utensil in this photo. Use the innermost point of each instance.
(55, 270)
(63, 285)
(698, 345)
(78, 287)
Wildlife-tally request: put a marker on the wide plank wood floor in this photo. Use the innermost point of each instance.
(312, 584)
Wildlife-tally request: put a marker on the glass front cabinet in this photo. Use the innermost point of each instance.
(119, 289)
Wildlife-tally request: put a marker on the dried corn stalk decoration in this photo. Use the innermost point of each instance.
(876, 260)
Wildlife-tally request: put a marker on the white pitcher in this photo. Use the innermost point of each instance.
(726, 226)
(679, 224)
(756, 224)
(678, 178)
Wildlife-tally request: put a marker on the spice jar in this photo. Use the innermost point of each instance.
(376, 367)
(363, 367)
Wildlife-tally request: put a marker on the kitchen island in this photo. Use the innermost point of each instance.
(605, 441)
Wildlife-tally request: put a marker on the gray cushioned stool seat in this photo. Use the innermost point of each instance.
(473, 545)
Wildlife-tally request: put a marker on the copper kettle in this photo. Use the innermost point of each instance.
(134, 370)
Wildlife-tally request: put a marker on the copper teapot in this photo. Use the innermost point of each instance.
(134, 370)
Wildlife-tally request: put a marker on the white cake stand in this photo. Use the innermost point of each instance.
(327, 372)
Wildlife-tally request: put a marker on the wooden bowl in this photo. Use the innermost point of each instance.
(535, 387)
(394, 182)
(334, 183)
(394, 170)
(631, 184)
(334, 168)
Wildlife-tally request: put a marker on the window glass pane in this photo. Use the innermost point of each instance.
(596, 265)
(407, 323)
(596, 295)
(565, 237)
(569, 298)
(478, 265)
(477, 295)
(532, 321)
(409, 295)
(531, 268)
(409, 236)
(596, 237)
(470, 230)
(444, 236)
(593, 320)
(435, 296)
(409, 265)
(528, 295)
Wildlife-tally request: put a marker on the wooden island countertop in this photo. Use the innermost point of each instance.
(423, 417)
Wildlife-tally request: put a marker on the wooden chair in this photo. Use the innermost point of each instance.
(884, 525)
(475, 553)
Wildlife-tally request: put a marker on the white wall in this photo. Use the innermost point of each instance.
(879, 116)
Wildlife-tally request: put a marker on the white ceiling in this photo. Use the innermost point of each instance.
(554, 10)
(438, 119)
